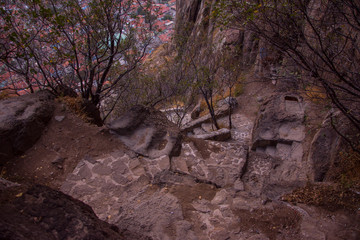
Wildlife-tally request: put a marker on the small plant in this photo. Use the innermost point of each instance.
(167, 17)
(330, 197)
(4, 94)
(238, 89)
(75, 105)
(347, 171)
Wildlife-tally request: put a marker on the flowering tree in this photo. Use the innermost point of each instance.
(86, 45)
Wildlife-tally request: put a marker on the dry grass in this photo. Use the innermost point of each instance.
(238, 89)
(4, 94)
(315, 94)
(331, 197)
(342, 193)
(75, 105)
(347, 170)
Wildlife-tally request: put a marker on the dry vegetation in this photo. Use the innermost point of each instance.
(331, 197)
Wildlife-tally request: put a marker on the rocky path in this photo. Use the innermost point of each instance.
(210, 190)
(165, 186)
(150, 195)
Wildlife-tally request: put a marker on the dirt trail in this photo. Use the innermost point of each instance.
(60, 148)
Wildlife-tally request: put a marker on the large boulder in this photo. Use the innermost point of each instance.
(44, 213)
(22, 120)
(147, 132)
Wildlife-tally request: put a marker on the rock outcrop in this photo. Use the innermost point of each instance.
(279, 128)
(324, 149)
(22, 120)
(147, 132)
(43, 213)
(275, 164)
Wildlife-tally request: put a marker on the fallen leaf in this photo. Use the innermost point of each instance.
(19, 195)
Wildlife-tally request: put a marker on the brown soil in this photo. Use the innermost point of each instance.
(253, 89)
(188, 194)
(277, 223)
(71, 140)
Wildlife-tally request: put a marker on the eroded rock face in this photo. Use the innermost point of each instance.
(324, 149)
(147, 132)
(43, 213)
(22, 120)
(275, 165)
(187, 12)
(279, 128)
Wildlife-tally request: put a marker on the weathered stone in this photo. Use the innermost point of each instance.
(150, 214)
(199, 131)
(184, 230)
(163, 163)
(147, 132)
(134, 162)
(259, 167)
(188, 127)
(119, 167)
(84, 172)
(43, 213)
(129, 121)
(58, 162)
(138, 171)
(229, 101)
(220, 197)
(59, 118)
(279, 128)
(323, 150)
(102, 169)
(22, 120)
(216, 162)
(239, 185)
(222, 134)
(120, 179)
(179, 164)
(81, 190)
(201, 206)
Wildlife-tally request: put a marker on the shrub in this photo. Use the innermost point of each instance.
(238, 89)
